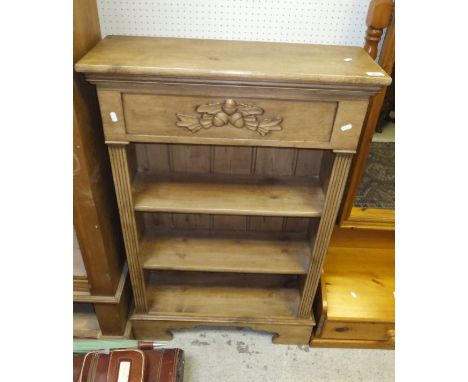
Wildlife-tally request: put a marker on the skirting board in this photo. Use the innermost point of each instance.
(148, 327)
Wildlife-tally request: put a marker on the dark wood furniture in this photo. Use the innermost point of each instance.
(229, 162)
(354, 305)
(95, 213)
(380, 17)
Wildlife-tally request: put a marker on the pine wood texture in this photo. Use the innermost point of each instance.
(299, 114)
(86, 325)
(337, 181)
(223, 295)
(369, 273)
(120, 172)
(240, 195)
(380, 16)
(230, 112)
(115, 299)
(95, 215)
(287, 332)
(224, 225)
(313, 121)
(351, 344)
(370, 218)
(231, 60)
(188, 251)
(177, 116)
(356, 304)
(81, 285)
(94, 211)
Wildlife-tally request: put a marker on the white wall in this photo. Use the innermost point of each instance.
(335, 22)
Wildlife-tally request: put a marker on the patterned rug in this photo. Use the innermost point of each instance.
(377, 188)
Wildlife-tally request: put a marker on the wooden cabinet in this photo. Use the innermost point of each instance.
(355, 303)
(100, 282)
(229, 161)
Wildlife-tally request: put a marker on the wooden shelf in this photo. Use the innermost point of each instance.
(222, 295)
(254, 253)
(231, 195)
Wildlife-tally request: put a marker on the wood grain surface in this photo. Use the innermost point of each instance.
(240, 60)
(191, 294)
(222, 202)
(216, 252)
(380, 15)
(355, 306)
(231, 195)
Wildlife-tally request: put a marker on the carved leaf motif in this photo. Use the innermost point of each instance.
(232, 113)
(206, 121)
(250, 109)
(269, 124)
(190, 122)
(211, 108)
(251, 123)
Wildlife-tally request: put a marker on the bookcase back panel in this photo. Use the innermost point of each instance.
(236, 160)
(265, 224)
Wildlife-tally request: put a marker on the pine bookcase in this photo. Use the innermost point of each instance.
(229, 161)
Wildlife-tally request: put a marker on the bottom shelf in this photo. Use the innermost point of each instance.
(223, 295)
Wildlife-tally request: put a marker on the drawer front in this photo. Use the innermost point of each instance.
(227, 118)
(230, 115)
(358, 331)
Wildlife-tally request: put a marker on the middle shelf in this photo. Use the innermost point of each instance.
(228, 194)
(225, 252)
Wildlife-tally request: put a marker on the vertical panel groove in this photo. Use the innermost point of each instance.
(123, 190)
(212, 159)
(295, 160)
(169, 158)
(254, 161)
(337, 183)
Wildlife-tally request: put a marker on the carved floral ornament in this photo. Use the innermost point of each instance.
(229, 112)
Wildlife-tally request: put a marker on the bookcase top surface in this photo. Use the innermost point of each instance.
(232, 60)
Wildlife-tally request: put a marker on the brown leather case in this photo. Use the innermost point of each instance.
(130, 365)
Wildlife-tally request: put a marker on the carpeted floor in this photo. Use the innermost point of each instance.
(377, 187)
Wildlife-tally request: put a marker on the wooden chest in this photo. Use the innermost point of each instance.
(355, 302)
(229, 162)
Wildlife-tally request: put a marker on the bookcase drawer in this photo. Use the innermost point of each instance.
(228, 118)
(358, 330)
(175, 113)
